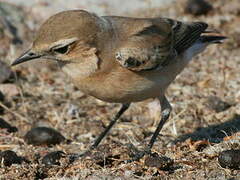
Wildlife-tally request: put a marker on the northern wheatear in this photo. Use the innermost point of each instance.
(120, 59)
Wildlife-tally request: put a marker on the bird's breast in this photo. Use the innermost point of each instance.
(121, 85)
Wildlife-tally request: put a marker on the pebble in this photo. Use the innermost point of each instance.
(198, 7)
(161, 162)
(230, 159)
(73, 111)
(43, 136)
(10, 157)
(53, 158)
(9, 90)
(5, 125)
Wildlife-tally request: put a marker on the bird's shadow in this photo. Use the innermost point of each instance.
(214, 133)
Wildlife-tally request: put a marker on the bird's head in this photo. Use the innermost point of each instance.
(67, 37)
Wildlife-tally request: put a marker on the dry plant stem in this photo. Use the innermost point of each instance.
(20, 85)
(223, 84)
(14, 113)
(7, 146)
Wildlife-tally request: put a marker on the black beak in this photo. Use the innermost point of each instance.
(27, 56)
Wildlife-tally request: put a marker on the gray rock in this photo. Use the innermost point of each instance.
(43, 136)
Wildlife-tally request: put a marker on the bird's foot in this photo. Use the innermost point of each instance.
(136, 154)
(75, 156)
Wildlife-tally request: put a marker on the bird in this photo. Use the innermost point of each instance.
(121, 59)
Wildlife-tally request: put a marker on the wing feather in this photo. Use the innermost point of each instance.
(158, 43)
(146, 49)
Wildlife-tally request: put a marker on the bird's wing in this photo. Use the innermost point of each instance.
(147, 48)
(157, 43)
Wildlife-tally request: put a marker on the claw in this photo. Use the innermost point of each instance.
(75, 156)
(137, 154)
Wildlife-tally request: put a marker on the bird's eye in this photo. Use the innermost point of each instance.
(61, 50)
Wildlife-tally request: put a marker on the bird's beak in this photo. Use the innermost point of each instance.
(27, 56)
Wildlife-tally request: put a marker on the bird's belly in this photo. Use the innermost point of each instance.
(131, 93)
(122, 85)
(127, 87)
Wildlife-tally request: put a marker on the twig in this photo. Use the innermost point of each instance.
(7, 146)
(14, 113)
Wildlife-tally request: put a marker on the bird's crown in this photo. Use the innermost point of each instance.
(66, 27)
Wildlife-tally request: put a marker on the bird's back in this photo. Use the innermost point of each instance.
(139, 57)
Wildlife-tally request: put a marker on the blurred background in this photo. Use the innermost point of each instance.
(205, 99)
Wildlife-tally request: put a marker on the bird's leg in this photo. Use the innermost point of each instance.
(165, 113)
(103, 134)
(117, 116)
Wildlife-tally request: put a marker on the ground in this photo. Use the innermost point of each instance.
(197, 131)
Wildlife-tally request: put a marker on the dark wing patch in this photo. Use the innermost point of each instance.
(147, 48)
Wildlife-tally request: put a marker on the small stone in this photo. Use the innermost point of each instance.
(9, 157)
(5, 72)
(161, 162)
(53, 158)
(6, 125)
(230, 159)
(216, 104)
(73, 111)
(43, 136)
(9, 90)
(198, 7)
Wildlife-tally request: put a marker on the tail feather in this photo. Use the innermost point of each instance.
(212, 39)
(202, 43)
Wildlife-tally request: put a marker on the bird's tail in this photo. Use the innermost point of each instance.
(203, 41)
